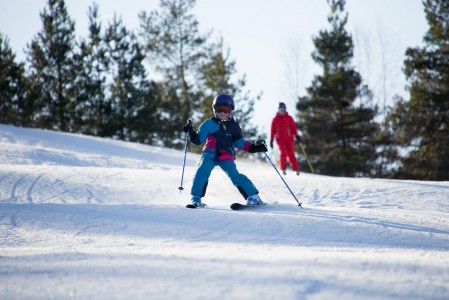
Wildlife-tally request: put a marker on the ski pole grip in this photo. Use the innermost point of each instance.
(190, 126)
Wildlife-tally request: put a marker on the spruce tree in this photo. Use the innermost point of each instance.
(337, 123)
(134, 99)
(14, 107)
(52, 67)
(421, 124)
(92, 110)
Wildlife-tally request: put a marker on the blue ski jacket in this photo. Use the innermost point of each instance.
(220, 138)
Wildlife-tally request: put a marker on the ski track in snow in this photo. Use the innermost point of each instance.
(89, 218)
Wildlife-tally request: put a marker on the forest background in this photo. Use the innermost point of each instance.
(142, 85)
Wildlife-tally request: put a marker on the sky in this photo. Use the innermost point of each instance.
(270, 41)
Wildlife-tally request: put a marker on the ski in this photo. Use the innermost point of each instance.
(194, 206)
(239, 206)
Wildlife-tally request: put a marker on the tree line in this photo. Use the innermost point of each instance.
(143, 85)
(340, 118)
(101, 85)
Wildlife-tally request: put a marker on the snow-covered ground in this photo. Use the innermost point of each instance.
(90, 218)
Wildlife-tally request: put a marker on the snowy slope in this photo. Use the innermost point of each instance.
(90, 218)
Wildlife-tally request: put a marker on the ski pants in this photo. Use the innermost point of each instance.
(205, 167)
(287, 150)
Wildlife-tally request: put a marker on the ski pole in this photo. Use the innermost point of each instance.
(266, 155)
(307, 159)
(185, 154)
(274, 155)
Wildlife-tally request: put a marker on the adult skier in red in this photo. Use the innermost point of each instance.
(283, 129)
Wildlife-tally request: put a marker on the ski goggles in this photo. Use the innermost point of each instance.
(222, 108)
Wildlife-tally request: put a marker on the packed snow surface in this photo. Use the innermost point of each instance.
(90, 218)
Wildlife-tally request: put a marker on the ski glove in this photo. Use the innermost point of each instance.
(188, 127)
(257, 147)
(271, 144)
(298, 139)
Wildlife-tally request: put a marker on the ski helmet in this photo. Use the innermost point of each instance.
(282, 105)
(223, 99)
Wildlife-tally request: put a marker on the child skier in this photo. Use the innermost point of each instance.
(221, 133)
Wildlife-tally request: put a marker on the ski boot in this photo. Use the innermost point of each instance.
(196, 201)
(254, 200)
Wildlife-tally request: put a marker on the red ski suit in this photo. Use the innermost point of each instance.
(283, 128)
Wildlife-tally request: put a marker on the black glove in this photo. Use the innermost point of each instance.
(258, 147)
(298, 139)
(271, 144)
(188, 127)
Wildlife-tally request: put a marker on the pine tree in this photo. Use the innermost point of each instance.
(337, 123)
(133, 98)
(421, 124)
(50, 55)
(92, 110)
(14, 107)
(175, 48)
